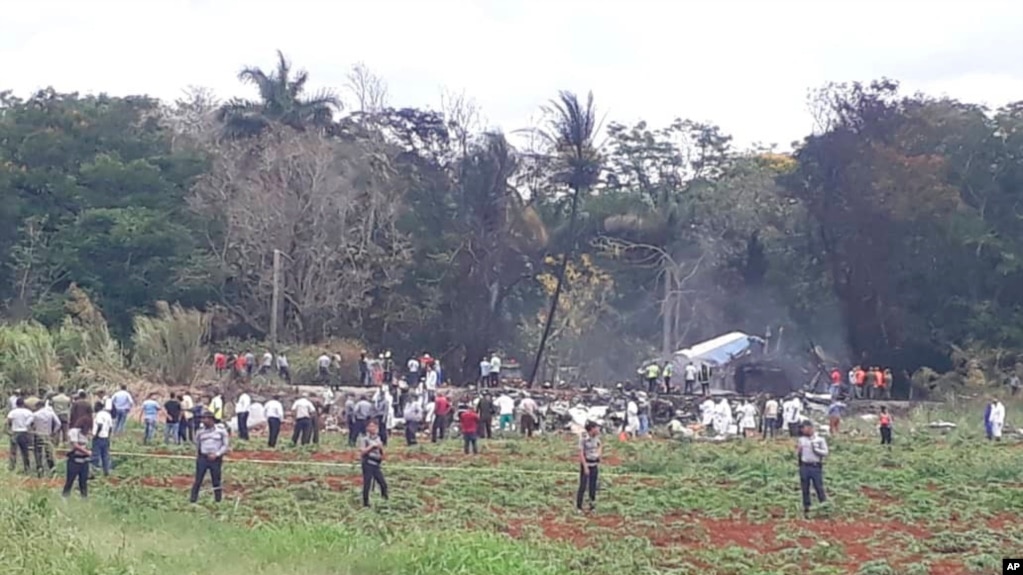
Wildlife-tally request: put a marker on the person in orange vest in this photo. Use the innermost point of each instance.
(884, 421)
(878, 383)
(861, 380)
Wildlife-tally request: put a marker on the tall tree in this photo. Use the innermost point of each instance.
(281, 100)
(571, 139)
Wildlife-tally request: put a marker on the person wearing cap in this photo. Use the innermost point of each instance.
(371, 456)
(811, 451)
(590, 450)
(213, 443)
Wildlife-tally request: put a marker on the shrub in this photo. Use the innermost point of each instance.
(27, 357)
(171, 346)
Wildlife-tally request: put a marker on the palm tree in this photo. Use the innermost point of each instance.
(570, 136)
(280, 101)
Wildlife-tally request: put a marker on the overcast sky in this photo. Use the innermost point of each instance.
(745, 65)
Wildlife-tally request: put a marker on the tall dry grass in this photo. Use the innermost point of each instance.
(28, 359)
(171, 347)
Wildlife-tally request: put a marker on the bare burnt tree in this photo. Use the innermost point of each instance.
(367, 89)
(330, 208)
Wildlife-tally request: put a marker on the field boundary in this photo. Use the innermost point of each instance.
(604, 472)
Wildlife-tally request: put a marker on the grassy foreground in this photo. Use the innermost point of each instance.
(943, 504)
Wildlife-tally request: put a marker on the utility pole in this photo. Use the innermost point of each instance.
(275, 302)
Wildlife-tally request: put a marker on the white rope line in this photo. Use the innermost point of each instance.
(399, 467)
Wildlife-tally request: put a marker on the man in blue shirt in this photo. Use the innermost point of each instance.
(122, 403)
(150, 411)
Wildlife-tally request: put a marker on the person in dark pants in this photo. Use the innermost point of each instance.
(362, 413)
(19, 421)
(590, 450)
(486, 412)
(241, 411)
(884, 421)
(811, 451)
(274, 411)
(213, 444)
(371, 454)
(413, 415)
(102, 426)
(441, 411)
(78, 457)
(303, 409)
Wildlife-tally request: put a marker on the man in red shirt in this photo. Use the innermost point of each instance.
(469, 421)
(441, 412)
(836, 383)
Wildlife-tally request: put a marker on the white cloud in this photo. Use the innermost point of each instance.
(743, 64)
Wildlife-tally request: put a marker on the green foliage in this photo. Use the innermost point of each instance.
(170, 347)
(27, 357)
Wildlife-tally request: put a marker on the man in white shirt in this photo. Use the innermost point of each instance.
(268, 363)
(283, 370)
(505, 412)
(102, 425)
(770, 417)
(274, 411)
(241, 411)
(791, 414)
(431, 384)
(187, 428)
(495, 370)
(690, 379)
(323, 369)
(303, 410)
(19, 420)
(413, 371)
(12, 401)
(529, 410)
(484, 372)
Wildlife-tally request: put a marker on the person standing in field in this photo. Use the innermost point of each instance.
(185, 430)
(150, 411)
(172, 420)
(811, 451)
(413, 415)
(303, 410)
(484, 372)
(469, 421)
(666, 372)
(441, 412)
(835, 416)
(220, 363)
(529, 411)
(45, 424)
(791, 415)
(61, 404)
(78, 457)
(274, 411)
(102, 426)
(19, 423)
(996, 420)
(590, 451)
(213, 443)
(747, 419)
(123, 403)
(770, 419)
(241, 411)
(267, 364)
(884, 425)
(217, 406)
(506, 411)
(371, 456)
(485, 408)
(495, 370)
(690, 378)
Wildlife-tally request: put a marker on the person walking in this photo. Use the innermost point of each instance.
(811, 451)
(590, 450)
(469, 422)
(78, 457)
(45, 424)
(102, 427)
(213, 444)
(241, 411)
(371, 456)
(150, 411)
(19, 422)
(884, 425)
(274, 411)
(303, 410)
(123, 403)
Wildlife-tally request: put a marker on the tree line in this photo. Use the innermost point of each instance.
(891, 235)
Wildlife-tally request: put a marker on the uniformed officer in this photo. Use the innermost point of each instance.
(213, 443)
(811, 451)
